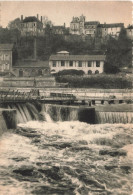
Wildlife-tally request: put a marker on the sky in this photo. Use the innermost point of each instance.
(60, 12)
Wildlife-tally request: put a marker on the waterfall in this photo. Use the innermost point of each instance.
(70, 113)
(25, 112)
(60, 113)
(114, 117)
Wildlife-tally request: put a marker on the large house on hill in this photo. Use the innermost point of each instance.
(31, 26)
(79, 26)
(90, 64)
(113, 30)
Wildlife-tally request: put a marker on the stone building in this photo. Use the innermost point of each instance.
(90, 64)
(77, 25)
(113, 30)
(90, 28)
(6, 58)
(129, 31)
(31, 68)
(31, 26)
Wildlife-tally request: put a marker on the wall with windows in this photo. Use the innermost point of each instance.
(30, 72)
(5, 61)
(89, 67)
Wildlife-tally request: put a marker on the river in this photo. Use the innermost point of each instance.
(66, 158)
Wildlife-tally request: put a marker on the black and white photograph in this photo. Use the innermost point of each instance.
(66, 99)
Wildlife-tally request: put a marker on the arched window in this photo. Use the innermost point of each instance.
(33, 73)
(20, 73)
(96, 72)
(40, 72)
(89, 72)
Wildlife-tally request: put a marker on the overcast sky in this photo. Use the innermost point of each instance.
(61, 12)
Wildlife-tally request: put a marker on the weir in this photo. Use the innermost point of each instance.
(13, 113)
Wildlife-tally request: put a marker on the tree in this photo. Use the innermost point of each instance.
(118, 53)
(15, 24)
(46, 21)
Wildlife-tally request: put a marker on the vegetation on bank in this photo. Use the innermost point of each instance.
(96, 81)
(118, 51)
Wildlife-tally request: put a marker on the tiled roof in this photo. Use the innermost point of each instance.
(6, 46)
(113, 25)
(92, 23)
(32, 64)
(31, 19)
(77, 57)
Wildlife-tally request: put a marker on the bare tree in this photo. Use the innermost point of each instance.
(46, 21)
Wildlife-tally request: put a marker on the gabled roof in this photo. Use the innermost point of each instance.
(6, 46)
(31, 19)
(77, 57)
(32, 64)
(92, 23)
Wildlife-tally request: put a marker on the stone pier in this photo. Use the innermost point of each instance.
(7, 119)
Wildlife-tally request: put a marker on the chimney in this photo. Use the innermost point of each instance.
(41, 18)
(37, 16)
(64, 25)
(21, 18)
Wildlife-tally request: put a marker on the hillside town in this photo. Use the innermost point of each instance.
(33, 47)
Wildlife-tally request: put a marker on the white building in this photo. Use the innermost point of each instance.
(90, 64)
(110, 29)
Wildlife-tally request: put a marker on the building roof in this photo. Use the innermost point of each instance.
(63, 52)
(31, 19)
(58, 27)
(31, 64)
(113, 25)
(92, 23)
(6, 46)
(77, 57)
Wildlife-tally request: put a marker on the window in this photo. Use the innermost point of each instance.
(80, 64)
(96, 72)
(71, 63)
(21, 73)
(89, 63)
(62, 63)
(6, 57)
(40, 72)
(1, 57)
(54, 63)
(89, 72)
(97, 63)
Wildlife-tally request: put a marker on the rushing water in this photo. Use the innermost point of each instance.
(66, 158)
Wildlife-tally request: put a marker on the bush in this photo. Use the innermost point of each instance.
(70, 72)
(95, 81)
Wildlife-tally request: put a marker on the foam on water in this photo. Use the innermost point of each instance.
(42, 157)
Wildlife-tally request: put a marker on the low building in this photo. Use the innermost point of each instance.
(31, 68)
(6, 58)
(90, 64)
(31, 26)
